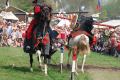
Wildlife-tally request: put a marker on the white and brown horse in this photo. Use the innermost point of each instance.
(79, 45)
(79, 42)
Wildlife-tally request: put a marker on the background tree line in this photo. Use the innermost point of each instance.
(110, 8)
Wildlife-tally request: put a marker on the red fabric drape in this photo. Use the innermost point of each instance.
(30, 28)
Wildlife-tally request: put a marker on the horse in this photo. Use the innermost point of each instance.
(38, 36)
(79, 41)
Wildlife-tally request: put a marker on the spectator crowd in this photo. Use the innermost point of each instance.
(12, 33)
(104, 41)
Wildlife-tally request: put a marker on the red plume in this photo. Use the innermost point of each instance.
(37, 9)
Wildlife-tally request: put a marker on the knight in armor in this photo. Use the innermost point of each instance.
(37, 19)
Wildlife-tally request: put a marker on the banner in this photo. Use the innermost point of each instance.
(73, 20)
(98, 7)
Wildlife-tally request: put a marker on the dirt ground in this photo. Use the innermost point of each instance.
(100, 73)
(104, 74)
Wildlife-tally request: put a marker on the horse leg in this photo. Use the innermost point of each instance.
(46, 54)
(46, 69)
(76, 65)
(83, 63)
(31, 61)
(39, 57)
(68, 61)
(45, 64)
(61, 58)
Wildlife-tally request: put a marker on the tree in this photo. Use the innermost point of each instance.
(111, 7)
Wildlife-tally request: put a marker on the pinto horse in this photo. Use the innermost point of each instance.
(38, 36)
(80, 40)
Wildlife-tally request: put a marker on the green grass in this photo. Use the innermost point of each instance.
(97, 59)
(9, 56)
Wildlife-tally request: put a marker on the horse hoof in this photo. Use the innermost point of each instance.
(42, 69)
(13, 65)
(31, 69)
(76, 73)
(82, 71)
(40, 66)
(46, 74)
(49, 61)
(68, 65)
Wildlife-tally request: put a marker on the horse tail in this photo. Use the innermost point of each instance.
(83, 45)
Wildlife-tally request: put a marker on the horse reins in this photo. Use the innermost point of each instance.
(41, 39)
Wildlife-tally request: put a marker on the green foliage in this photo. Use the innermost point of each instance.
(26, 5)
(110, 7)
(113, 8)
(104, 14)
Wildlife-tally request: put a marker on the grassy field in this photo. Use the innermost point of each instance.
(16, 56)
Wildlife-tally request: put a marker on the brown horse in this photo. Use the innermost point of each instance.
(38, 36)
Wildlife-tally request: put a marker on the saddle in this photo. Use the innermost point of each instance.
(45, 40)
(31, 44)
(76, 33)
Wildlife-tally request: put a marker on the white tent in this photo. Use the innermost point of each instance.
(113, 23)
(8, 15)
(1, 17)
(108, 24)
(100, 26)
(97, 15)
(64, 22)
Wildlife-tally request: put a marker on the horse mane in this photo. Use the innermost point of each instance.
(87, 24)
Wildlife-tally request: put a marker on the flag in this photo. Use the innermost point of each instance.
(7, 4)
(98, 7)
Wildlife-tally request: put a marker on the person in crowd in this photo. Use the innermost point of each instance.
(9, 29)
(113, 43)
(1, 31)
(10, 41)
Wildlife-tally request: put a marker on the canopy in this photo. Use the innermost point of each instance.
(8, 15)
(63, 22)
(100, 26)
(1, 17)
(96, 15)
(108, 24)
(113, 23)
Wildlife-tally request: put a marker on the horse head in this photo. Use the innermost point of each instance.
(42, 12)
